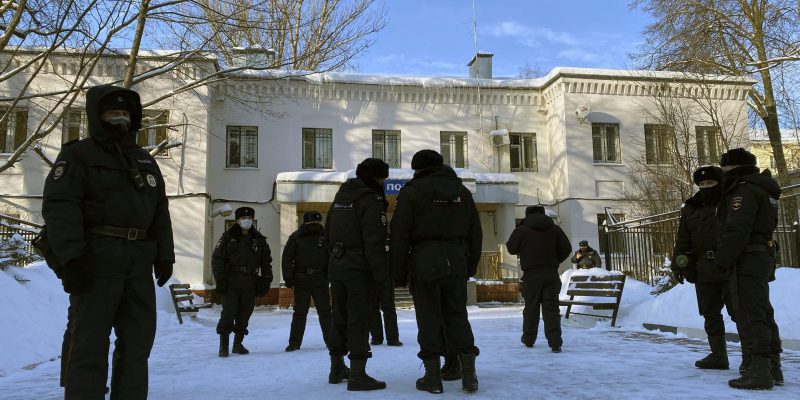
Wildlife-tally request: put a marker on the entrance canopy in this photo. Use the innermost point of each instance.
(321, 186)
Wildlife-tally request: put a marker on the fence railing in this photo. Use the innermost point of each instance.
(10, 225)
(489, 268)
(639, 247)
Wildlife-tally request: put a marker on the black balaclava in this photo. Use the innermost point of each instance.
(120, 127)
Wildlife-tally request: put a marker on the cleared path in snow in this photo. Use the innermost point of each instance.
(597, 363)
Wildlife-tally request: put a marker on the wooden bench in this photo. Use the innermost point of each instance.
(597, 289)
(183, 299)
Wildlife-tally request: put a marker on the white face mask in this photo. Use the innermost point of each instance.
(246, 223)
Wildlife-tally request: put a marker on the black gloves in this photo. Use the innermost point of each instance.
(678, 276)
(76, 276)
(398, 283)
(222, 286)
(162, 271)
(262, 287)
(289, 282)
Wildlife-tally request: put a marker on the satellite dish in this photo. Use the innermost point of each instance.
(583, 111)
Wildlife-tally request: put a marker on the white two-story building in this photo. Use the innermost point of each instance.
(282, 142)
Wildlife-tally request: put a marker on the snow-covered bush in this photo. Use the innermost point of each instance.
(666, 281)
(14, 252)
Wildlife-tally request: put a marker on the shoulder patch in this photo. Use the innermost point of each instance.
(59, 169)
(737, 203)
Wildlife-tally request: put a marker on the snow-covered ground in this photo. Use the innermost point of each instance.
(598, 362)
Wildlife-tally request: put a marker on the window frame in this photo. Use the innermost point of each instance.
(603, 136)
(657, 135)
(153, 132)
(15, 140)
(384, 135)
(320, 135)
(452, 152)
(242, 131)
(67, 123)
(521, 149)
(702, 137)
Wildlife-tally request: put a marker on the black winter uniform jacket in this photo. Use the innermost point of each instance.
(305, 257)
(697, 235)
(436, 227)
(356, 224)
(242, 261)
(540, 244)
(747, 214)
(89, 186)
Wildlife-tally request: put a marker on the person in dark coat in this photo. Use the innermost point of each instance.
(436, 243)
(697, 239)
(541, 246)
(385, 304)
(746, 218)
(356, 228)
(586, 257)
(108, 222)
(242, 267)
(305, 269)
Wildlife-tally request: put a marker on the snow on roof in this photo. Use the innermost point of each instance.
(787, 135)
(429, 82)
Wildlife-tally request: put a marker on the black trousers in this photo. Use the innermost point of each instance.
(237, 307)
(386, 304)
(127, 305)
(302, 301)
(441, 310)
(353, 308)
(541, 291)
(711, 297)
(755, 317)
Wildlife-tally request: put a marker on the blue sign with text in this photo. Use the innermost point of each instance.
(393, 186)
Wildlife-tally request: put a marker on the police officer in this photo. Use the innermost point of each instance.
(541, 246)
(747, 216)
(242, 268)
(586, 257)
(305, 269)
(436, 242)
(356, 228)
(108, 222)
(697, 243)
(386, 304)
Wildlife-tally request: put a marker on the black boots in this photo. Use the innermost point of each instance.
(339, 371)
(359, 380)
(775, 369)
(451, 370)
(718, 359)
(224, 339)
(432, 381)
(238, 348)
(744, 367)
(759, 376)
(292, 347)
(469, 381)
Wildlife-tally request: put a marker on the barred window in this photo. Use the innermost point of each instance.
(657, 139)
(317, 148)
(709, 144)
(242, 146)
(605, 144)
(454, 148)
(523, 152)
(386, 146)
(73, 125)
(13, 129)
(154, 129)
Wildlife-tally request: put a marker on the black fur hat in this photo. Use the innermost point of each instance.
(245, 212)
(707, 173)
(738, 156)
(425, 159)
(119, 100)
(312, 216)
(372, 168)
(534, 209)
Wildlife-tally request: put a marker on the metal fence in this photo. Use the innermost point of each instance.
(639, 247)
(10, 225)
(489, 268)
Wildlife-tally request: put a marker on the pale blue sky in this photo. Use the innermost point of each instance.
(435, 37)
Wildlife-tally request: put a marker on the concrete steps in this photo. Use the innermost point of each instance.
(402, 298)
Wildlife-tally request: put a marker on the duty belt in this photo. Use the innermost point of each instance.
(245, 271)
(125, 233)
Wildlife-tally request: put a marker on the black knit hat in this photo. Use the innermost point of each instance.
(426, 159)
(312, 216)
(534, 209)
(738, 156)
(707, 173)
(584, 243)
(245, 212)
(120, 100)
(372, 168)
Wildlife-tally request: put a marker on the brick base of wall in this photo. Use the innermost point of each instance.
(506, 293)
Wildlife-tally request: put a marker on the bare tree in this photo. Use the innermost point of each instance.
(528, 71)
(38, 35)
(732, 37)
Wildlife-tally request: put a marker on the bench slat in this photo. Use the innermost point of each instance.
(593, 292)
(595, 285)
(180, 292)
(179, 285)
(584, 278)
(183, 298)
